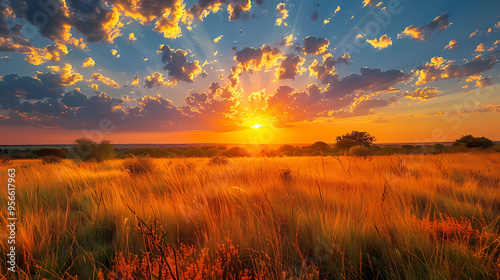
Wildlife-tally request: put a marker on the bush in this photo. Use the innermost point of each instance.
(237, 152)
(193, 152)
(50, 152)
(50, 159)
(211, 152)
(346, 144)
(319, 146)
(139, 165)
(360, 151)
(87, 149)
(474, 142)
(286, 148)
(218, 160)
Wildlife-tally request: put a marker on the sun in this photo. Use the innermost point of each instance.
(256, 126)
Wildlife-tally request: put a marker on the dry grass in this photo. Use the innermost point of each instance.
(393, 217)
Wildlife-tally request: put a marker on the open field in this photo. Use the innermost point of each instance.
(388, 217)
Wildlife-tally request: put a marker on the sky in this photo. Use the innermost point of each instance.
(247, 72)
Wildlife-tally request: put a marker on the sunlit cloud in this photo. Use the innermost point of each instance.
(381, 43)
(88, 62)
(105, 80)
(422, 33)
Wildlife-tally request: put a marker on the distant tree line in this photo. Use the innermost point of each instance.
(355, 143)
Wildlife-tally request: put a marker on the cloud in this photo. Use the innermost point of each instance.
(154, 80)
(235, 8)
(289, 67)
(287, 40)
(422, 33)
(135, 81)
(282, 15)
(95, 20)
(14, 88)
(292, 106)
(317, 46)
(251, 59)
(451, 45)
(88, 62)
(217, 39)
(115, 53)
(107, 81)
(368, 3)
(381, 43)
(40, 56)
(480, 48)
(480, 81)
(177, 65)
(131, 37)
(167, 14)
(325, 71)
(441, 69)
(67, 76)
(369, 80)
(425, 93)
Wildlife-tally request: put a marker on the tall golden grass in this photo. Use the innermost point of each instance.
(386, 217)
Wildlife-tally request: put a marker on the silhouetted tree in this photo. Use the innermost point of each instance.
(346, 144)
(362, 137)
(474, 142)
(87, 149)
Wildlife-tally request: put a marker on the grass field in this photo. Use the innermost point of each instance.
(388, 217)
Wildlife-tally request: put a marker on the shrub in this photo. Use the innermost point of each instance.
(50, 152)
(346, 144)
(193, 152)
(87, 149)
(319, 146)
(286, 148)
(211, 152)
(50, 159)
(218, 160)
(474, 142)
(360, 151)
(139, 165)
(237, 152)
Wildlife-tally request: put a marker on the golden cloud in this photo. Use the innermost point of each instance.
(88, 62)
(381, 43)
(107, 81)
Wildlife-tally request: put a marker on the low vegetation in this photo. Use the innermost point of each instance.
(340, 217)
